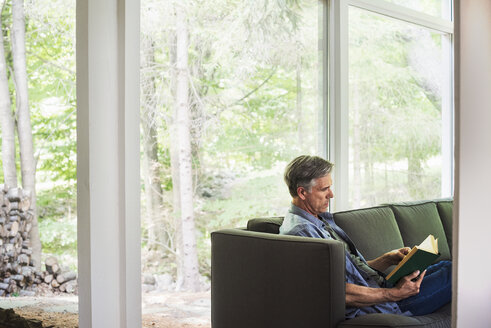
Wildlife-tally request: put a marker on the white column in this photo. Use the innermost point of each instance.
(472, 218)
(108, 163)
(338, 103)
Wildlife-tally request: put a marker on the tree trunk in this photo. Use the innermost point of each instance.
(176, 199)
(174, 157)
(153, 188)
(8, 126)
(188, 249)
(28, 167)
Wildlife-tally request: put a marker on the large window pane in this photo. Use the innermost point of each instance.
(230, 94)
(399, 93)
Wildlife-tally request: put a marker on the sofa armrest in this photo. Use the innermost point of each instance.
(267, 280)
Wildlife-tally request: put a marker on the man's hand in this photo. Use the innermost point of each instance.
(381, 263)
(366, 296)
(395, 256)
(407, 286)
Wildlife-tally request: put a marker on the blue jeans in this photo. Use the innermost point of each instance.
(435, 290)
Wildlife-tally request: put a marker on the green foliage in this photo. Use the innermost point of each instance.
(258, 131)
(55, 133)
(237, 201)
(58, 224)
(395, 109)
(56, 203)
(50, 50)
(58, 236)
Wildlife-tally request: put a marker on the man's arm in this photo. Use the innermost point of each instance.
(384, 261)
(361, 296)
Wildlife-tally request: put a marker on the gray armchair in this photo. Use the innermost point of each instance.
(266, 280)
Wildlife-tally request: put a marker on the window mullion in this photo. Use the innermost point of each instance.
(338, 117)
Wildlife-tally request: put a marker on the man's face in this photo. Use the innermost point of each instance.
(317, 200)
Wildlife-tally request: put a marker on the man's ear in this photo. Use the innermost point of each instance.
(301, 192)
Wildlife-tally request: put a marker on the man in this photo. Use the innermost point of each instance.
(309, 182)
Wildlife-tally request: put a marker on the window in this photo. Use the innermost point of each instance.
(231, 92)
(393, 137)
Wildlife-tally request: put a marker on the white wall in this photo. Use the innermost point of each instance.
(472, 215)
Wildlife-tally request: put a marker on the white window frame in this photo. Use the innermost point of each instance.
(338, 126)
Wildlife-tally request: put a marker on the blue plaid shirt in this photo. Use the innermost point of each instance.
(298, 222)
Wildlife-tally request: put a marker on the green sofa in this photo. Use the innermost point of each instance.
(262, 279)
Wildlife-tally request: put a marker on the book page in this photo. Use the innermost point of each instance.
(430, 244)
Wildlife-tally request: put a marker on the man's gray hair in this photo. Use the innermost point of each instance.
(303, 170)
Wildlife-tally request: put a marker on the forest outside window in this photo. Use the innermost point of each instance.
(396, 107)
(231, 92)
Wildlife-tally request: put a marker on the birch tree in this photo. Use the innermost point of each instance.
(7, 121)
(188, 255)
(24, 130)
(157, 236)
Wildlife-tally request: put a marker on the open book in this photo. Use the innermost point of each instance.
(419, 258)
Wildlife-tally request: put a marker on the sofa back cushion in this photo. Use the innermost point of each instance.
(416, 220)
(269, 225)
(445, 209)
(373, 230)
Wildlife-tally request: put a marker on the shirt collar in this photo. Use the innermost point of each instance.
(309, 217)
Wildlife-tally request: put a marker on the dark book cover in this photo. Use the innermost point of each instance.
(417, 259)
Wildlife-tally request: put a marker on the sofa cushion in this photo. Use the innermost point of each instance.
(269, 225)
(445, 209)
(373, 230)
(416, 220)
(439, 319)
